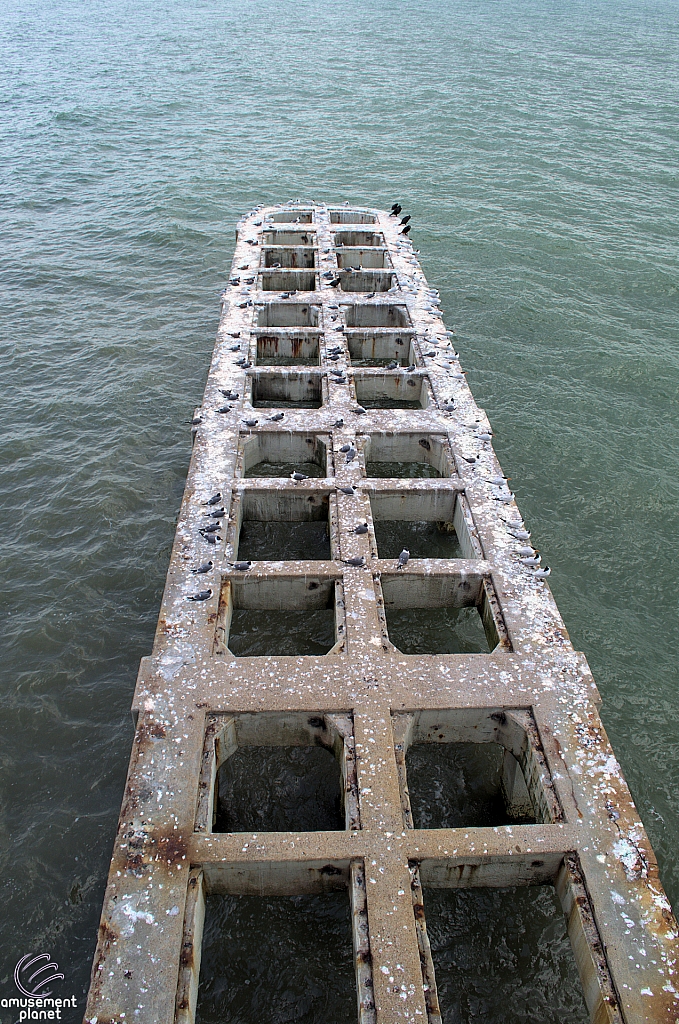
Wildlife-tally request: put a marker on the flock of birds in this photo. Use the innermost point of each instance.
(525, 553)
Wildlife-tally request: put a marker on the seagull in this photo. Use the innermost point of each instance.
(229, 395)
(518, 533)
(338, 424)
(348, 490)
(212, 528)
(532, 563)
(250, 423)
(242, 566)
(202, 595)
(361, 528)
(351, 455)
(541, 574)
(358, 561)
(296, 476)
(205, 567)
(359, 410)
(224, 408)
(337, 373)
(196, 420)
(506, 497)
(277, 417)
(497, 481)
(484, 435)
(211, 538)
(409, 369)
(403, 559)
(526, 551)
(214, 500)
(217, 514)
(393, 365)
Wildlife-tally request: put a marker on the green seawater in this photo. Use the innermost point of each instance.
(536, 146)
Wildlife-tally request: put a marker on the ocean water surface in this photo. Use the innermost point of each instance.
(536, 146)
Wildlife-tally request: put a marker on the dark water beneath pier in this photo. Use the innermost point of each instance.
(536, 148)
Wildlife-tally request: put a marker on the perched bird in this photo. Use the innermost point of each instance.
(484, 435)
(214, 500)
(497, 481)
(250, 423)
(359, 410)
(211, 538)
(518, 534)
(196, 420)
(357, 561)
(409, 369)
(448, 406)
(229, 395)
(348, 490)
(205, 567)
(406, 229)
(505, 497)
(351, 455)
(338, 424)
(336, 282)
(526, 551)
(296, 476)
(217, 514)
(242, 566)
(212, 528)
(337, 373)
(404, 220)
(361, 528)
(277, 417)
(393, 365)
(224, 408)
(532, 563)
(345, 447)
(202, 595)
(541, 574)
(403, 559)
(395, 210)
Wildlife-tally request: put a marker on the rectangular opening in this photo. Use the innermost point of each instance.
(287, 281)
(431, 523)
(284, 773)
(503, 955)
(404, 456)
(286, 391)
(287, 349)
(367, 281)
(282, 236)
(301, 258)
(300, 617)
(351, 217)
(392, 390)
(359, 239)
(273, 959)
(376, 314)
(381, 348)
(283, 525)
(360, 259)
(292, 217)
(438, 614)
(287, 314)
(280, 453)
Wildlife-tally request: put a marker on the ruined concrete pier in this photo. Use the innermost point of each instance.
(328, 319)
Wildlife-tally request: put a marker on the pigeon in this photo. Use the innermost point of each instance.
(202, 595)
(205, 567)
(403, 558)
(296, 476)
(242, 566)
(214, 500)
(348, 490)
(357, 561)
(250, 423)
(361, 528)
(277, 417)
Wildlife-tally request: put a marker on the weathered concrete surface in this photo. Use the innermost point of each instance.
(195, 702)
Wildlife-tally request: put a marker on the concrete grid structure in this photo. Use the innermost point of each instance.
(293, 292)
